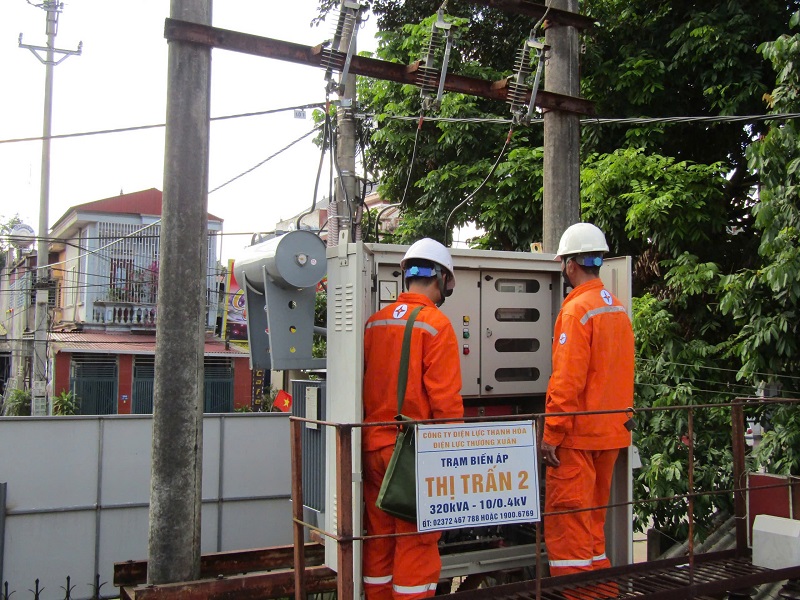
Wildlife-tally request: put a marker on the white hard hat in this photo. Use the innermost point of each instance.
(431, 250)
(581, 238)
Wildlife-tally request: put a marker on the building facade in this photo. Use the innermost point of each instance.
(104, 263)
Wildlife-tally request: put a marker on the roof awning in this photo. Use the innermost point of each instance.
(128, 343)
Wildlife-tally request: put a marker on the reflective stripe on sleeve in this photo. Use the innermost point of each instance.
(600, 557)
(414, 589)
(377, 580)
(597, 311)
(571, 563)
(401, 323)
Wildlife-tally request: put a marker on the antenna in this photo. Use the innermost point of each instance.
(518, 87)
(333, 58)
(430, 78)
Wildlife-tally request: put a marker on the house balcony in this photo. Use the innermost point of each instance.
(123, 314)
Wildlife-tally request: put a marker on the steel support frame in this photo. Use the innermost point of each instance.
(236, 41)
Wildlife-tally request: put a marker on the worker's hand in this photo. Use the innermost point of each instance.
(549, 457)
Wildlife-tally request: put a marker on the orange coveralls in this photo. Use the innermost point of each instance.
(593, 353)
(403, 567)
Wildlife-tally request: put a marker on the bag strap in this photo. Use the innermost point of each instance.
(402, 376)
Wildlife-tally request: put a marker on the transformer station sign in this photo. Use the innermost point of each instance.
(476, 474)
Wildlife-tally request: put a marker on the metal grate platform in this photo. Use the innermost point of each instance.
(710, 575)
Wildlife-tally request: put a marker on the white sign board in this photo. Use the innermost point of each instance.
(472, 474)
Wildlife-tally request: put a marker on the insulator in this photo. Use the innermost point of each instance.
(433, 70)
(333, 59)
(518, 88)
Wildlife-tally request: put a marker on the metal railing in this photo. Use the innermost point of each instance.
(345, 537)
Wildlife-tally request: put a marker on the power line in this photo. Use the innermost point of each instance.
(603, 120)
(157, 125)
(253, 168)
(716, 368)
(488, 120)
(158, 221)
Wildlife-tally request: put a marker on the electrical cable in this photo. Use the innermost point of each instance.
(691, 388)
(792, 377)
(253, 168)
(340, 182)
(156, 126)
(476, 190)
(158, 221)
(603, 120)
(402, 202)
(325, 144)
(362, 148)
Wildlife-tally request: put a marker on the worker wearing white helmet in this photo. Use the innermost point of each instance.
(428, 258)
(593, 351)
(407, 567)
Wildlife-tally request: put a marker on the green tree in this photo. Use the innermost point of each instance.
(764, 300)
(6, 225)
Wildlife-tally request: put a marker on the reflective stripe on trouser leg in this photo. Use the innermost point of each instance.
(417, 565)
(604, 461)
(406, 590)
(378, 554)
(568, 536)
(571, 539)
(405, 567)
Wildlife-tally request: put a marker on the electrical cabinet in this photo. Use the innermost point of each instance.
(503, 310)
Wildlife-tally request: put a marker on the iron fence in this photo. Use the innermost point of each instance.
(69, 591)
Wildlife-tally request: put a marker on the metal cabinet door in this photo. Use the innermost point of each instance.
(516, 329)
(463, 310)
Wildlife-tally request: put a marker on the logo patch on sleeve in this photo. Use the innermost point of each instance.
(562, 339)
(400, 311)
(606, 296)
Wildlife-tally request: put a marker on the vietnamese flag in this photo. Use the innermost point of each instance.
(283, 401)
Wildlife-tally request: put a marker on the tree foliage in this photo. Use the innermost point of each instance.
(764, 300)
(6, 225)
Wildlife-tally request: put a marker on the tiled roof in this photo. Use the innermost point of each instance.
(145, 202)
(127, 343)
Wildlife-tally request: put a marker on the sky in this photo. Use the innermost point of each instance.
(120, 80)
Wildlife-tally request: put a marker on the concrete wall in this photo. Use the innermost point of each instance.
(77, 493)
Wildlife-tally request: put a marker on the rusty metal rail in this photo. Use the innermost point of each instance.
(256, 573)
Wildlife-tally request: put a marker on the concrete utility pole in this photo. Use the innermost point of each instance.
(341, 213)
(347, 189)
(561, 131)
(175, 489)
(39, 395)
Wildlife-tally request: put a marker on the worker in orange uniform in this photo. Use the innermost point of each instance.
(593, 350)
(407, 567)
